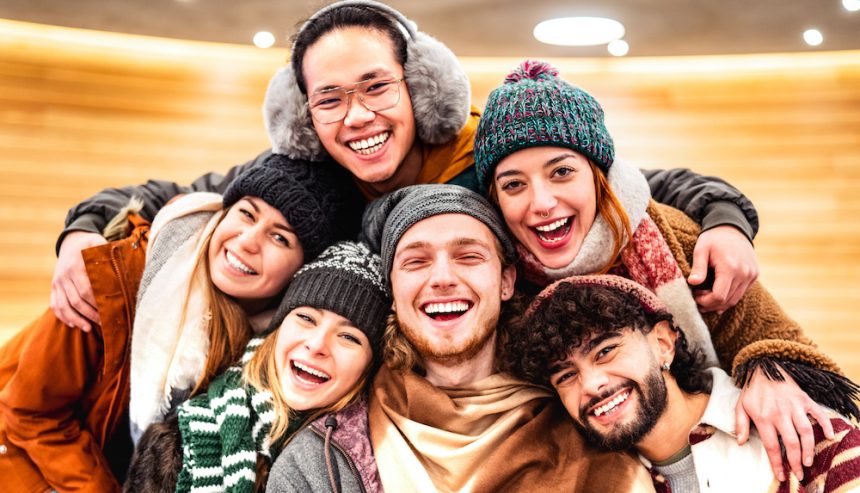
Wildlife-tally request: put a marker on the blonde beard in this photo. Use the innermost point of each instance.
(406, 346)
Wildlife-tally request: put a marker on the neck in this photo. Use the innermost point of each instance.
(461, 372)
(406, 174)
(254, 306)
(672, 431)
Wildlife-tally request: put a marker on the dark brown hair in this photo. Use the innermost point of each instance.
(364, 16)
(574, 315)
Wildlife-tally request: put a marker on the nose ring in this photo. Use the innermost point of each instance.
(544, 214)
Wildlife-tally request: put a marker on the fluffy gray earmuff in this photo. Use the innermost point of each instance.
(437, 84)
(288, 121)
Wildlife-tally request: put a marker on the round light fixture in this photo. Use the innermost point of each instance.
(619, 47)
(851, 5)
(578, 31)
(813, 37)
(264, 39)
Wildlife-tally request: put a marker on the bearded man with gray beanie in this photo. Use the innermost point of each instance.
(439, 415)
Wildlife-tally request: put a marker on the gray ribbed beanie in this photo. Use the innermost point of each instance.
(387, 218)
(346, 279)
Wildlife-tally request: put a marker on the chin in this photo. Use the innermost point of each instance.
(556, 261)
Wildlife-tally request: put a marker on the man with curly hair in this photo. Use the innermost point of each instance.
(628, 379)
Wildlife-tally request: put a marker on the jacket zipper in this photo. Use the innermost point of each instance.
(346, 456)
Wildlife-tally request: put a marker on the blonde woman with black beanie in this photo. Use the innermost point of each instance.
(192, 288)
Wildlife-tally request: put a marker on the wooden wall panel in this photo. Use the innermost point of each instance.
(80, 111)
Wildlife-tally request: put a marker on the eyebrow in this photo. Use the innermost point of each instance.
(587, 348)
(253, 200)
(459, 241)
(372, 74)
(596, 341)
(551, 162)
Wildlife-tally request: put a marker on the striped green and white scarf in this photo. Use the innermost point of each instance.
(223, 431)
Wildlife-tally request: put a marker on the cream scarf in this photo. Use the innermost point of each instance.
(431, 439)
(498, 434)
(170, 339)
(646, 258)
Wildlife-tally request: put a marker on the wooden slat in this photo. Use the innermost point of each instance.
(81, 111)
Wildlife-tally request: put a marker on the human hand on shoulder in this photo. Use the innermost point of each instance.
(779, 411)
(72, 299)
(729, 252)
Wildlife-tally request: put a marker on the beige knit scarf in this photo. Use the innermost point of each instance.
(170, 339)
(498, 434)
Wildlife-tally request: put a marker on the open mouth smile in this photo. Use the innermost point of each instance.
(238, 265)
(308, 375)
(611, 407)
(554, 232)
(370, 145)
(449, 310)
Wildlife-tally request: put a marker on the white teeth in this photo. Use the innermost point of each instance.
(552, 226)
(450, 307)
(370, 145)
(307, 369)
(237, 264)
(609, 406)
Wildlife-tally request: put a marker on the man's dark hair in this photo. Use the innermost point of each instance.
(573, 315)
(365, 16)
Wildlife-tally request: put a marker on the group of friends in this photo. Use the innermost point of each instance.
(515, 309)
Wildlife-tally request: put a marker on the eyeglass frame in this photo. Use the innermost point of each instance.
(356, 89)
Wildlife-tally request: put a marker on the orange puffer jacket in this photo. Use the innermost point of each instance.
(64, 397)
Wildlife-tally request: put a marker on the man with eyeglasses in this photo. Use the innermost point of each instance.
(391, 105)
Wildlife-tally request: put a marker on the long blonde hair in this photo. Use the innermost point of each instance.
(229, 330)
(262, 373)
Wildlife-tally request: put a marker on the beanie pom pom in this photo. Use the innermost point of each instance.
(531, 69)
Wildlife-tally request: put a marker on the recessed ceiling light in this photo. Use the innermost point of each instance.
(619, 47)
(264, 39)
(813, 37)
(578, 31)
(851, 5)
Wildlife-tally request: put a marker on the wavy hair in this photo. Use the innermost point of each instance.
(572, 316)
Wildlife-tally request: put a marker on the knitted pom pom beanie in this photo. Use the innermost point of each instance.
(535, 107)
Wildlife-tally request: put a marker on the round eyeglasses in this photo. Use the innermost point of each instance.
(332, 104)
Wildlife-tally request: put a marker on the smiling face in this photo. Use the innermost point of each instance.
(320, 357)
(448, 283)
(547, 197)
(253, 253)
(371, 145)
(613, 388)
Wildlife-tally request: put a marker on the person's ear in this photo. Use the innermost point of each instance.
(509, 278)
(662, 338)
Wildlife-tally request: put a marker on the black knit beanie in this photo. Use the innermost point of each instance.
(304, 192)
(387, 218)
(346, 279)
